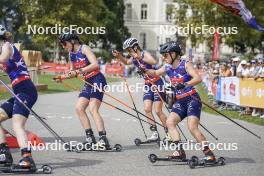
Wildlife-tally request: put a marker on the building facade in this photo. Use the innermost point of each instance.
(149, 22)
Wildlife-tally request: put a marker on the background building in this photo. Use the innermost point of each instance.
(147, 20)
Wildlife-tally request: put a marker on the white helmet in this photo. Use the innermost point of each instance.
(130, 43)
(2, 30)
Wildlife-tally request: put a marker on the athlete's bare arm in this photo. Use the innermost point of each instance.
(196, 78)
(6, 53)
(86, 50)
(158, 72)
(149, 59)
(120, 57)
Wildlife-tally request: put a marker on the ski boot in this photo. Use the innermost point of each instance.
(102, 143)
(209, 156)
(154, 138)
(177, 156)
(6, 158)
(27, 162)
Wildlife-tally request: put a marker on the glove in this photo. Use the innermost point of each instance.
(180, 86)
(141, 71)
(73, 74)
(58, 78)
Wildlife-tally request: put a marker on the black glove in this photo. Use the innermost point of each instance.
(141, 71)
(180, 86)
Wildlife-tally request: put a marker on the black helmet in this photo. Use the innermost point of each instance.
(130, 43)
(171, 47)
(68, 36)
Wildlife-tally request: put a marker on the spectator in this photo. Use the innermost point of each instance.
(242, 70)
(254, 69)
(225, 71)
(260, 73)
(234, 66)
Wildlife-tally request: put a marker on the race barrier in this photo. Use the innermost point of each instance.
(114, 69)
(55, 68)
(246, 92)
(108, 69)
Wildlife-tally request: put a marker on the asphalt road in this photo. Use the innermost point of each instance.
(248, 159)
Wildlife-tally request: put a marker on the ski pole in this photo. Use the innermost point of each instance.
(114, 107)
(40, 119)
(227, 117)
(131, 98)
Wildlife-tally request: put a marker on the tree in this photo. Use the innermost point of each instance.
(10, 16)
(116, 31)
(208, 13)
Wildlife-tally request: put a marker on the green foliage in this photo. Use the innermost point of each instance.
(46, 13)
(104, 54)
(207, 13)
(10, 16)
(82, 13)
(116, 31)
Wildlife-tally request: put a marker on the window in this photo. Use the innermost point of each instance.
(144, 11)
(129, 11)
(143, 39)
(169, 11)
(168, 40)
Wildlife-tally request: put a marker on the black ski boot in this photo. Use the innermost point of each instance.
(90, 139)
(179, 153)
(103, 143)
(209, 157)
(6, 158)
(27, 161)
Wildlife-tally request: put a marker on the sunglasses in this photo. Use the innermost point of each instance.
(165, 54)
(129, 50)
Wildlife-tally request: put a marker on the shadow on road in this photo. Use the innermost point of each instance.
(72, 162)
(228, 161)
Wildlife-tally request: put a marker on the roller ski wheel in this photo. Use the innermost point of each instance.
(138, 142)
(194, 161)
(116, 148)
(47, 169)
(221, 161)
(44, 169)
(154, 158)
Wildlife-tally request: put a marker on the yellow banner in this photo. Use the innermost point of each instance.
(252, 93)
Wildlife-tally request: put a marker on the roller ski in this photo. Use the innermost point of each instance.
(17, 169)
(101, 146)
(177, 156)
(154, 138)
(26, 165)
(206, 161)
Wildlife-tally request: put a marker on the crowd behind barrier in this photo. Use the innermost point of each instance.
(236, 85)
